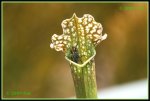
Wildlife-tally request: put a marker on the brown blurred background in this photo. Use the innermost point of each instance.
(30, 65)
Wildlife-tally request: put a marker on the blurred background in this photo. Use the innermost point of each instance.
(31, 69)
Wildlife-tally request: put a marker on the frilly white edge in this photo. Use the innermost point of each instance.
(51, 45)
(104, 37)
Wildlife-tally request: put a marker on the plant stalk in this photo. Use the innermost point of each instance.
(84, 80)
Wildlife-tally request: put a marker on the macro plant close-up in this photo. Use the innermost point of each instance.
(78, 41)
(74, 50)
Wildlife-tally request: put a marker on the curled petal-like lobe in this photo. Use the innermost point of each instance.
(77, 30)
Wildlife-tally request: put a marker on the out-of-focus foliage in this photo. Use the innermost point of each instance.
(30, 65)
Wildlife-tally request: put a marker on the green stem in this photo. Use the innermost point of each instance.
(84, 80)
